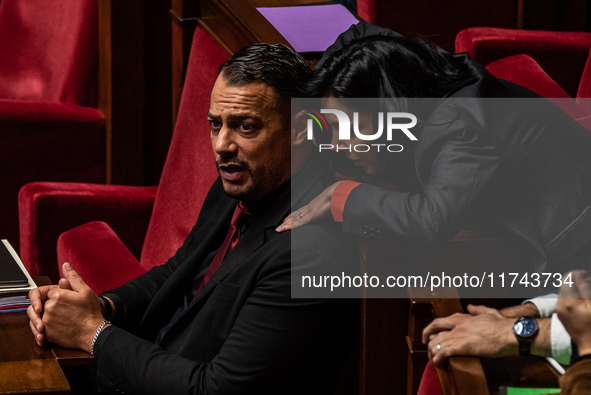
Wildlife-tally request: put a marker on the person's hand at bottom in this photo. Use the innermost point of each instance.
(574, 309)
(71, 316)
(483, 333)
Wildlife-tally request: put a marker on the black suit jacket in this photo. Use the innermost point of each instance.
(519, 163)
(244, 334)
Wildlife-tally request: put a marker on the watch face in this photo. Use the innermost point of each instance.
(525, 327)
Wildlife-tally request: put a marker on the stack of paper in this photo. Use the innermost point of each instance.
(13, 302)
(15, 281)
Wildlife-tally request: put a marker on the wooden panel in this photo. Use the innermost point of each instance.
(462, 375)
(558, 15)
(383, 349)
(158, 90)
(24, 366)
(184, 15)
(122, 88)
(16, 340)
(519, 371)
(382, 359)
(41, 376)
(68, 357)
(419, 316)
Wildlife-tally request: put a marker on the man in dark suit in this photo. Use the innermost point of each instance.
(218, 317)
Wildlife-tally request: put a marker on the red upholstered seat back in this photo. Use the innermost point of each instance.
(525, 71)
(562, 55)
(190, 169)
(49, 51)
(584, 92)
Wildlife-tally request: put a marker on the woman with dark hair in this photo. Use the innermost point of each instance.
(486, 150)
(390, 67)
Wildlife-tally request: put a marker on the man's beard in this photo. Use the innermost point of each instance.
(265, 179)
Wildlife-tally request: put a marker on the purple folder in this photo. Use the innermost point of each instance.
(310, 28)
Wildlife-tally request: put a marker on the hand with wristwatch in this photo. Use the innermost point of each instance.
(525, 330)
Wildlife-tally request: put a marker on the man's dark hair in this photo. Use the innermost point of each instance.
(274, 64)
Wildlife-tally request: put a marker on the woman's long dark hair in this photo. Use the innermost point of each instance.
(399, 70)
(389, 67)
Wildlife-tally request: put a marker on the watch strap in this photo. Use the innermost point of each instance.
(107, 308)
(525, 342)
(524, 347)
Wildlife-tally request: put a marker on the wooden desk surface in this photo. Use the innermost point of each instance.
(26, 368)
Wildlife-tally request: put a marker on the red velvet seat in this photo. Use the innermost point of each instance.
(49, 126)
(107, 259)
(553, 64)
(562, 55)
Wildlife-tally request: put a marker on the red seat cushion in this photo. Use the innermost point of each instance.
(561, 54)
(525, 71)
(584, 91)
(430, 382)
(190, 165)
(93, 249)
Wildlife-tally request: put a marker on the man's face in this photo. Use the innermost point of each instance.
(250, 139)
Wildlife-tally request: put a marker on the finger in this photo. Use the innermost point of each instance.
(438, 325)
(35, 298)
(285, 226)
(76, 282)
(65, 284)
(442, 354)
(38, 295)
(430, 347)
(39, 337)
(479, 310)
(35, 320)
(438, 348)
(33, 329)
(442, 348)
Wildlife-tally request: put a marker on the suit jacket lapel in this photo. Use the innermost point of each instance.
(171, 294)
(306, 185)
(251, 241)
(303, 187)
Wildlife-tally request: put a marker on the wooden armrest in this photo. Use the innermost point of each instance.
(462, 375)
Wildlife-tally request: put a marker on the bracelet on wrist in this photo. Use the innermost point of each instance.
(96, 335)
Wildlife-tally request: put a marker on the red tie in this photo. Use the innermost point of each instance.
(240, 215)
